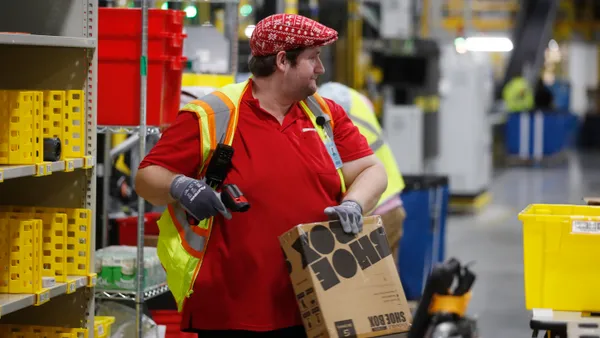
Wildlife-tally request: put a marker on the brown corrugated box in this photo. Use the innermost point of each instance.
(346, 285)
(150, 240)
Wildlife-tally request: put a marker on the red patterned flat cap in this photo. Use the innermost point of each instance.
(282, 32)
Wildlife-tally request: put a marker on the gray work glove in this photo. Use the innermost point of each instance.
(197, 198)
(349, 213)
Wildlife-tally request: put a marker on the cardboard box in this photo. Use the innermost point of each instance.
(150, 240)
(346, 285)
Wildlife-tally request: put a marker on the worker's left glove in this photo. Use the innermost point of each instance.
(349, 213)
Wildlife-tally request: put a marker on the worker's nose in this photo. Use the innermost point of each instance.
(319, 69)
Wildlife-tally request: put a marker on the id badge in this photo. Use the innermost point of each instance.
(333, 152)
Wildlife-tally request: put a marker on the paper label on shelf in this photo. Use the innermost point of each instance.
(39, 170)
(43, 297)
(48, 282)
(585, 227)
(88, 162)
(92, 279)
(69, 165)
(71, 287)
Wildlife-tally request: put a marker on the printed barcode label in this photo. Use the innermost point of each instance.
(43, 297)
(586, 227)
(72, 287)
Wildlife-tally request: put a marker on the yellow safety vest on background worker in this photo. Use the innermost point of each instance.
(181, 245)
(360, 111)
(518, 95)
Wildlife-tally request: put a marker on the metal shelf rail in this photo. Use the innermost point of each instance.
(55, 49)
(149, 293)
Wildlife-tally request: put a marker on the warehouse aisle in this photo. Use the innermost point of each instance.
(493, 239)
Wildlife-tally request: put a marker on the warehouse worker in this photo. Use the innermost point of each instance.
(360, 110)
(518, 95)
(298, 158)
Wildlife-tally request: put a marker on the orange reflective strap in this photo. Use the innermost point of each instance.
(196, 229)
(233, 117)
(324, 107)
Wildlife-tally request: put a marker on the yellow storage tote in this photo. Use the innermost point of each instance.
(561, 249)
(102, 326)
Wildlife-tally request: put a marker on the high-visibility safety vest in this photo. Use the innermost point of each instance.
(518, 95)
(181, 245)
(360, 111)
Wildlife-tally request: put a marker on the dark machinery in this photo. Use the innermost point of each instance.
(441, 312)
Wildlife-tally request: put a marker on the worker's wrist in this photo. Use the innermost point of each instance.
(353, 204)
(178, 185)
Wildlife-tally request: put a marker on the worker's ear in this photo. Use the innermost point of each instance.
(281, 62)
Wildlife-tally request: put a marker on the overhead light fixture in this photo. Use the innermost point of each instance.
(245, 10)
(488, 44)
(249, 30)
(191, 11)
(461, 45)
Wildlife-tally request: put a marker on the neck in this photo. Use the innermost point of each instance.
(269, 94)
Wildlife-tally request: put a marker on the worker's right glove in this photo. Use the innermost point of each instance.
(197, 198)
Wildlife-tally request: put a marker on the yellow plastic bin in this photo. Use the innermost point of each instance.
(102, 326)
(561, 249)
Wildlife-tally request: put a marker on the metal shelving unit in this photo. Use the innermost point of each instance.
(54, 49)
(139, 134)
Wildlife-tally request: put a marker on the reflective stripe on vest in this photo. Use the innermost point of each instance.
(181, 245)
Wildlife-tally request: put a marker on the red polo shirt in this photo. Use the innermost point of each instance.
(288, 177)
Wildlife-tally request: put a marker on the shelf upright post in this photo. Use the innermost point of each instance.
(139, 299)
(107, 172)
(231, 32)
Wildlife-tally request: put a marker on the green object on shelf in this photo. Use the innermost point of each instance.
(118, 271)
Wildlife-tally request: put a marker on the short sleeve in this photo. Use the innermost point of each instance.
(350, 143)
(178, 149)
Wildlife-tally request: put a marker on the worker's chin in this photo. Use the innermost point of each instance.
(311, 89)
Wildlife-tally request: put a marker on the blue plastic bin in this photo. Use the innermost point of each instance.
(425, 199)
(561, 91)
(558, 131)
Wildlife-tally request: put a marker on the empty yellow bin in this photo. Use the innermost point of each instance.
(102, 326)
(561, 249)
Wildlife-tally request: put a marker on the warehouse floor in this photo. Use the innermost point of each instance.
(492, 238)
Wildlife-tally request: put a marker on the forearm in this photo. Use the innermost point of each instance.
(153, 183)
(368, 187)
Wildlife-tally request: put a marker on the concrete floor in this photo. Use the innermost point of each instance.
(492, 238)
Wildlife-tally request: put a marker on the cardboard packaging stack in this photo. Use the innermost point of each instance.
(346, 285)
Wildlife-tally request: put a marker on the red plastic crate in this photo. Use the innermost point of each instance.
(119, 92)
(128, 228)
(172, 320)
(123, 22)
(119, 49)
(172, 97)
(175, 45)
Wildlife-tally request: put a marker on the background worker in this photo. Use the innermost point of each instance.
(283, 168)
(360, 110)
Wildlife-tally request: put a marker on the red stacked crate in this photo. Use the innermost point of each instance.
(119, 50)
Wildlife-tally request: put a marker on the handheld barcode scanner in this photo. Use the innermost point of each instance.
(217, 170)
(442, 309)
